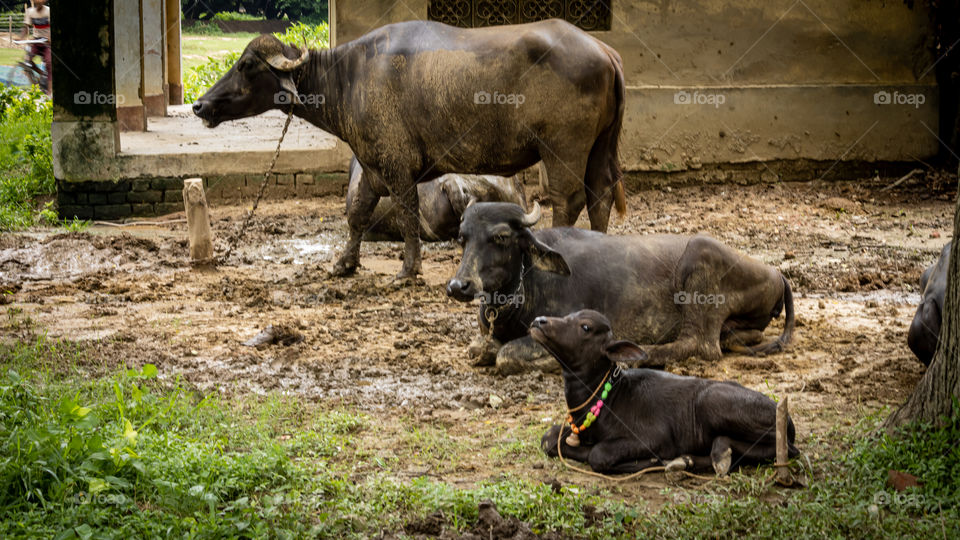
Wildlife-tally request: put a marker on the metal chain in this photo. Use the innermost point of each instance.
(266, 176)
(263, 186)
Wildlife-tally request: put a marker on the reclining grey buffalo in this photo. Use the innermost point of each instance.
(417, 100)
(442, 202)
(678, 296)
(622, 421)
(924, 334)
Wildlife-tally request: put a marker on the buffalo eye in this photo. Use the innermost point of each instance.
(586, 328)
(501, 239)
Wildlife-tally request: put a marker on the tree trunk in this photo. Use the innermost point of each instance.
(932, 398)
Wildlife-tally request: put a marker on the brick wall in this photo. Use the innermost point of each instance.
(108, 200)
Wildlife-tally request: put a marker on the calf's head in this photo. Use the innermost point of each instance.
(583, 341)
(260, 80)
(498, 248)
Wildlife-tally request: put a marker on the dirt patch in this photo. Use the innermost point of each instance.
(399, 354)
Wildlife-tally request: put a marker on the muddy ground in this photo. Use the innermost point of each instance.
(853, 253)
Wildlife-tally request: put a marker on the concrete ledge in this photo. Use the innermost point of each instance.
(767, 172)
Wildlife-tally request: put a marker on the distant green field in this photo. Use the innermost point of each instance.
(195, 50)
(9, 57)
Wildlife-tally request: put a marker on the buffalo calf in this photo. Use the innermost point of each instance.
(442, 202)
(624, 420)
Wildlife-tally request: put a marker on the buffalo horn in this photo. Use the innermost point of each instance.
(532, 217)
(283, 63)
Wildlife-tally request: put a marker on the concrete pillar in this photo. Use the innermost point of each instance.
(84, 106)
(174, 78)
(131, 114)
(332, 23)
(152, 41)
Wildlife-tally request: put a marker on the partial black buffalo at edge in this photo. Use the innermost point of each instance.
(651, 417)
(924, 334)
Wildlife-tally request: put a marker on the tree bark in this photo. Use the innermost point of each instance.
(933, 397)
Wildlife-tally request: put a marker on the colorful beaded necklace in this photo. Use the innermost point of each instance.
(574, 438)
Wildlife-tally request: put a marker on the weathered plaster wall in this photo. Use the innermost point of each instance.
(777, 80)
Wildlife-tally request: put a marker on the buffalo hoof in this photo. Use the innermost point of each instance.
(548, 443)
(407, 275)
(722, 466)
(483, 351)
(516, 357)
(401, 280)
(341, 269)
(675, 468)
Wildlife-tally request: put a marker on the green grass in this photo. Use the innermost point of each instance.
(199, 49)
(234, 16)
(125, 454)
(9, 57)
(90, 450)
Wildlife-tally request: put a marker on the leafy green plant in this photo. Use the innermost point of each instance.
(202, 77)
(26, 155)
(75, 225)
(315, 36)
(203, 28)
(236, 16)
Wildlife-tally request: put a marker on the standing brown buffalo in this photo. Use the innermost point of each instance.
(416, 100)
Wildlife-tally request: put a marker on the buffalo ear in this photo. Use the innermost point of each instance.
(543, 256)
(459, 199)
(627, 352)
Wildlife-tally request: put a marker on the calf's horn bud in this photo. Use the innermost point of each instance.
(529, 219)
(283, 63)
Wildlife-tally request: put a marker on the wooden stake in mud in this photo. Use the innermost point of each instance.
(783, 470)
(198, 222)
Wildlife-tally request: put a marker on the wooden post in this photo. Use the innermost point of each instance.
(198, 222)
(783, 471)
